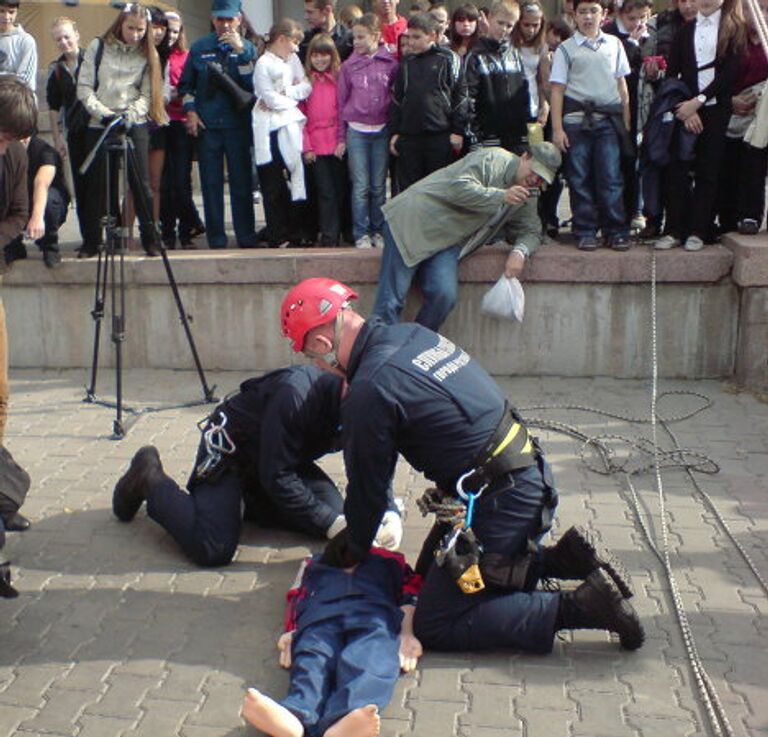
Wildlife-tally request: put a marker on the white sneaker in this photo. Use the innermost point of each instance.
(638, 222)
(364, 242)
(693, 243)
(378, 240)
(666, 242)
(256, 197)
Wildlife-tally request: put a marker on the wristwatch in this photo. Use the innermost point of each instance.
(701, 98)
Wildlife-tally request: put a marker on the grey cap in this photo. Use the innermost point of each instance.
(546, 160)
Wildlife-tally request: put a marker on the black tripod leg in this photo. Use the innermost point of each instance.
(144, 210)
(208, 392)
(97, 313)
(118, 297)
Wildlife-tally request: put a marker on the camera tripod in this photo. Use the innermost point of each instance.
(119, 167)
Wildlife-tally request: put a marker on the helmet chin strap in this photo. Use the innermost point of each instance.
(332, 357)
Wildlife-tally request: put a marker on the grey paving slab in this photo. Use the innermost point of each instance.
(114, 633)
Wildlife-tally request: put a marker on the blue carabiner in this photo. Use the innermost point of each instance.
(470, 509)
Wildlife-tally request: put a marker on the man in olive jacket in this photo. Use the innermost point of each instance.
(449, 214)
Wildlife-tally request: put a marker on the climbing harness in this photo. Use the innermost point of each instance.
(218, 444)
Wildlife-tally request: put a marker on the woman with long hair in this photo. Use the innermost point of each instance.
(158, 27)
(121, 77)
(177, 209)
(463, 29)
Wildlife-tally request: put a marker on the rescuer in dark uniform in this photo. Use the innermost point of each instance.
(414, 392)
(258, 448)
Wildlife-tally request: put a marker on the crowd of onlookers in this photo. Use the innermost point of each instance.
(656, 115)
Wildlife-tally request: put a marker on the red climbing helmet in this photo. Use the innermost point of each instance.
(310, 303)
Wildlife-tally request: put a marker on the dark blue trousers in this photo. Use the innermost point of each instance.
(206, 521)
(342, 663)
(234, 144)
(507, 515)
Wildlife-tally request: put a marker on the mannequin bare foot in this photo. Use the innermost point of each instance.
(362, 722)
(268, 716)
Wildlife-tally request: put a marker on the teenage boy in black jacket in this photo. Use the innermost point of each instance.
(496, 84)
(428, 116)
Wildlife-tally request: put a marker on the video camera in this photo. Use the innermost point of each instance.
(218, 79)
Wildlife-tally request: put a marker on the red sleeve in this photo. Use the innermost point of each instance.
(292, 598)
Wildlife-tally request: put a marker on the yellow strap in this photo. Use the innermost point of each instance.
(511, 435)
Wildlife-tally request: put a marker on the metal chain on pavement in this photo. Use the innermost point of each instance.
(598, 454)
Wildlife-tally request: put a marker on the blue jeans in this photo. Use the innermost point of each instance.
(595, 183)
(213, 146)
(368, 155)
(508, 514)
(438, 279)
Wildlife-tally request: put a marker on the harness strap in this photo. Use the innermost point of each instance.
(510, 448)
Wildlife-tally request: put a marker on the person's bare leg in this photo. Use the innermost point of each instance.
(268, 716)
(362, 722)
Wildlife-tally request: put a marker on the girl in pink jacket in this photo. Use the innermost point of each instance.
(325, 164)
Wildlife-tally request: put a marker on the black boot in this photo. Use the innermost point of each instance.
(577, 554)
(6, 589)
(16, 523)
(598, 605)
(132, 489)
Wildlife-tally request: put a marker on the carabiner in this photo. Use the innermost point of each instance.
(460, 487)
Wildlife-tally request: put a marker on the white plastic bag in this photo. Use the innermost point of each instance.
(505, 300)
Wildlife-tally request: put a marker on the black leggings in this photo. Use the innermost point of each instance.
(96, 205)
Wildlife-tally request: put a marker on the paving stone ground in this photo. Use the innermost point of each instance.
(115, 634)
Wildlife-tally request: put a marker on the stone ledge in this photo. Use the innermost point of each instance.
(750, 259)
(553, 263)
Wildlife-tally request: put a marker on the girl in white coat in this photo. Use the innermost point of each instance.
(279, 83)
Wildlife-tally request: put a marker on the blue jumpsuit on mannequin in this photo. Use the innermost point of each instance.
(345, 645)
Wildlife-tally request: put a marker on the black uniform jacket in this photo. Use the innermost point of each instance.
(412, 392)
(281, 423)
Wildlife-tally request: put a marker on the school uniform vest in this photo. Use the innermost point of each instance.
(591, 73)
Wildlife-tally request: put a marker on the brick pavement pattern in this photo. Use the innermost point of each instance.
(114, 634)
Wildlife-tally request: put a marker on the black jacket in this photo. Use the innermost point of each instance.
(498, 94)
(281, 423)
(429, 95)
(413, 392)
(61, 87)
(682, 65)
(342, 39)
(668, 23)
(635, 59)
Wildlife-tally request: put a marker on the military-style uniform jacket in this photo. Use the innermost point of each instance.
(213, 105)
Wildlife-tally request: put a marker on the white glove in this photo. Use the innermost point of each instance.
(336, 527)
(390, 531)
